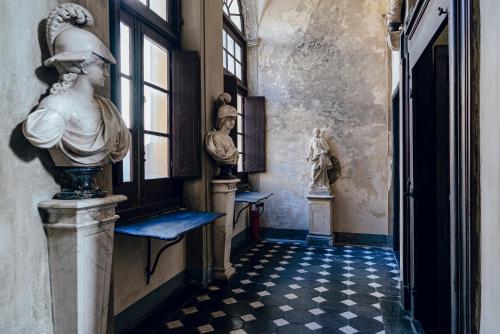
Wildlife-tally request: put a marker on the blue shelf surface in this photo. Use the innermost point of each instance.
(169, 226)
(251, 196)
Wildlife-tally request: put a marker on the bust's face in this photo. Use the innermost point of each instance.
(97, 73)
(316, 133)
(229, 122)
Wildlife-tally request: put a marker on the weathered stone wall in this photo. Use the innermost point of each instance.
(324, 63)
(25, 173)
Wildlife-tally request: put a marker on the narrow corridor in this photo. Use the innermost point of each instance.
(295, 288)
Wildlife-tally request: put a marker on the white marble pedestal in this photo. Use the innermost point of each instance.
(320, 219)
(80, 242)
(223, 192)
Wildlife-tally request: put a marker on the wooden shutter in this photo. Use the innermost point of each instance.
(186, 114)
(254, 143)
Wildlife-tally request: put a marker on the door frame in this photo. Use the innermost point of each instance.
(465, 199)
(423, 23)
(396, 171)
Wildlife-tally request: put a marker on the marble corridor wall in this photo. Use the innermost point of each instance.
(324, 63)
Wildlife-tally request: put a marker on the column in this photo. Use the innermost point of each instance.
(80, 241)
(223, 192)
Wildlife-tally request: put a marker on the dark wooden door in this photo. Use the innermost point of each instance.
(428, 190)
(424, 238)
(443, 166)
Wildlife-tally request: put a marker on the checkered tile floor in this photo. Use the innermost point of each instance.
(294, 288)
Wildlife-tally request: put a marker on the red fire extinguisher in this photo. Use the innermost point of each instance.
(255, 224)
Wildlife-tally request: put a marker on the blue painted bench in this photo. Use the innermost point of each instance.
(250, 197)
(171, 226)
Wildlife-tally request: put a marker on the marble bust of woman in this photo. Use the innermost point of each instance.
(218, 143)
(77, 127)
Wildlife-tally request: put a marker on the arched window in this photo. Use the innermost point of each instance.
(233, 11)
(234, 60)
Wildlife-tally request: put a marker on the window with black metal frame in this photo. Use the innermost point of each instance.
(144, 36)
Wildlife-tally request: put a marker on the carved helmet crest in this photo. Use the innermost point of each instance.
(225, 109)
(66, 38)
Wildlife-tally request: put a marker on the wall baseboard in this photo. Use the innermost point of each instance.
(275, 233)
(338, 237)
(361, 239)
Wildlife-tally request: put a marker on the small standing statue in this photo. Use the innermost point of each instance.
(324, 167)
(82, 131)
(218, 143)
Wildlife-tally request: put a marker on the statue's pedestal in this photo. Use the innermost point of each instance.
(80, 242)
(320, 219)
(223, 193)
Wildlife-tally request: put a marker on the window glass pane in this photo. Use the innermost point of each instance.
(224, 39)
(155, 110)
(156, 154)
(125, 100)
(230, 44)
(230, 64)
(159, 7)
(224, 63)
(155, 64)
(226, 10)
(239, 104)
(144, 2)
(239, 124)
(238, 71)
(237, 53)
(240, 163)
(127, 167)
(237, 21)
(234, 8)
(240, 143)
(124, 48)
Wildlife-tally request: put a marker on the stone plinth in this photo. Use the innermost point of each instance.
(320, 219)
(80, 242)
(223, 192)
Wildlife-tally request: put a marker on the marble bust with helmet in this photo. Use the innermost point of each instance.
(81, 130)
(218, 143)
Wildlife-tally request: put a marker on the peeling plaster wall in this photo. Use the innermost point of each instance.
(324, 63)
(26, 176)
